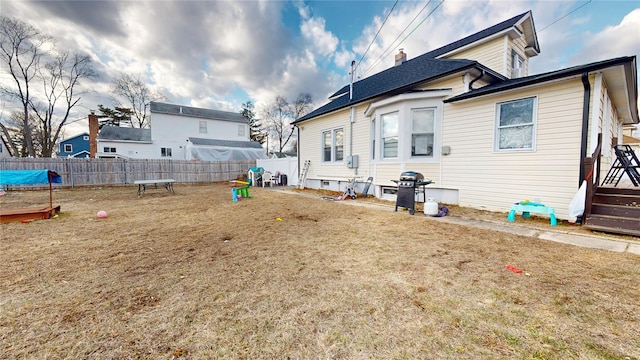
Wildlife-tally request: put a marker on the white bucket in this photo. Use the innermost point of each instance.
(430, 207)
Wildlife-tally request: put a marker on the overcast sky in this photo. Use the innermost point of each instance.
(219, 54)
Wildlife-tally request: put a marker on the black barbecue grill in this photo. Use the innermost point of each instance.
(408, 186)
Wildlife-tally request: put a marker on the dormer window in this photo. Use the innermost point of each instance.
(517, 65)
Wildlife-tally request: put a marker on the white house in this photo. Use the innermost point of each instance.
(4, 149)
(183, 133)
(469, 117)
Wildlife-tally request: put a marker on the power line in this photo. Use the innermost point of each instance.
(375, 37)
(393, 44)
(565, 15)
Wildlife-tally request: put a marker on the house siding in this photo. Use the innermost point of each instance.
(494, 180)
(311, 146)
(490, 54)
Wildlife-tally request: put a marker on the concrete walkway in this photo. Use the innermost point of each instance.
(610, 243)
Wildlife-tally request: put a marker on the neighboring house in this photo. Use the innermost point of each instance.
(5, 152)
(468, 117)
(76, 147)
(182, 133)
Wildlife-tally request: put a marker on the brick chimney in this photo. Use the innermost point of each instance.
(93, 134)
(400, 57)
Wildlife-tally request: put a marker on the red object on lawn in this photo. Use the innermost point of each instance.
(515, 270)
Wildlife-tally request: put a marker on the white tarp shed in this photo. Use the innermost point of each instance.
(223, 150)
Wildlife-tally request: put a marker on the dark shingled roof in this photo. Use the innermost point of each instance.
(180, 110)
(397, 79)
(481, 35)
(117, 133)
(225, 143)
(423, 68)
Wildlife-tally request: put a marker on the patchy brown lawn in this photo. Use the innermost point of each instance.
(195, 275)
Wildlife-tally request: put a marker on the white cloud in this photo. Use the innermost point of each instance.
(614, 41)
(323, 41)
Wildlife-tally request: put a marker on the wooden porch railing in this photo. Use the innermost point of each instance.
(592, 169)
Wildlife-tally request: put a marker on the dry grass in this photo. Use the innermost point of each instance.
(197, 276)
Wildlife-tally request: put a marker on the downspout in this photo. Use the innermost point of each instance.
(298, 154)
(351, 114)
(585, 123)
(482, 73)
(352, 119)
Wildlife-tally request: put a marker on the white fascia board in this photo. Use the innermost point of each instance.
(428, 94)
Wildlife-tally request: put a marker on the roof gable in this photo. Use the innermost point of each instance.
(524, 19)
(179, 110)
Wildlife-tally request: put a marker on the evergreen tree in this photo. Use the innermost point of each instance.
(256, 132)
(118, 116)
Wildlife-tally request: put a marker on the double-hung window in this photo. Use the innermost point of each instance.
(68, 148)
(333, 145)
(202, 127)
(389, 135)
(422, 132)
(515, 124)
(517, 65)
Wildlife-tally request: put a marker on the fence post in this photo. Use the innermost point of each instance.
(70, 170)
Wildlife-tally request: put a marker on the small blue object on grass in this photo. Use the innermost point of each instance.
(527, 208)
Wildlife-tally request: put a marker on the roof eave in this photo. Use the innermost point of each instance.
(626, 61)
(393, 92)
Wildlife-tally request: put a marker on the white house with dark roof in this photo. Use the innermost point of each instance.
(182, 133)
(469, 117)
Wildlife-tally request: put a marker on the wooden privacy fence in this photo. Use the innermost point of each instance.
(117, 172)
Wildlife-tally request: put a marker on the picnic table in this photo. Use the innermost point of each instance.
(144, 184)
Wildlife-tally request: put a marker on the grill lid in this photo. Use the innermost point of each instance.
(411, 175)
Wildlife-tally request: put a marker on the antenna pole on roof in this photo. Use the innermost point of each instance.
(353, 64)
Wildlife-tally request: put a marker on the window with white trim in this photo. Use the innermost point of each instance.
(109, 149)
(333, 145)
(422, 131)
(389, 135)
(85, 137)
(203, 127)
(68, 148)
(241, 130)
(517, 65)
(165, 152)
(515, 125)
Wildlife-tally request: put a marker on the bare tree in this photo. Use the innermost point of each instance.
(21, 49)
(279, 114)
(138, 97)
(302, 106)
(45, 83)
(60, 79)
(13, 131)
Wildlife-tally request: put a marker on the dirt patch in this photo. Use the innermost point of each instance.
(195, 275)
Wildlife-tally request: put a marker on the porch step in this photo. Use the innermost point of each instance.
(619, 191)
(613, 224)
(616, 199)
(616, 210)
